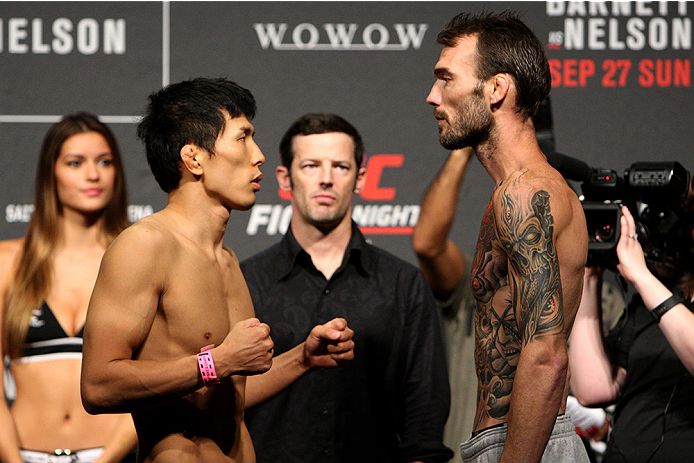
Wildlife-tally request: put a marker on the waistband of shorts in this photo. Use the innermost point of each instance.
(502, 426)
(61, 455)
(477, 433)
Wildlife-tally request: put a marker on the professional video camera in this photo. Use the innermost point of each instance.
(654, 192)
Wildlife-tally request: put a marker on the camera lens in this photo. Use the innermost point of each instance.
(602, 220)
(603, 234)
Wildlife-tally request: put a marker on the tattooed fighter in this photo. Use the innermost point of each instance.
(527, 272)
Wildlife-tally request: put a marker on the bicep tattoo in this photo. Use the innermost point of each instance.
(525, 228)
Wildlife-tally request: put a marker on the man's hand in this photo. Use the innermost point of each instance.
(329, 345)
(247, 350)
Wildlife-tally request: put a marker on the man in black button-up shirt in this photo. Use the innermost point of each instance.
(390, 403)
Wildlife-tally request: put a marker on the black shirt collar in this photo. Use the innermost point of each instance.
(292, 254)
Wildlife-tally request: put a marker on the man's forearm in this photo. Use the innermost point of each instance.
(538, 390)
(440, 259)
(439, 205)
(286, 368)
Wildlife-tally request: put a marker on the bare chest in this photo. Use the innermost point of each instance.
(201, 301)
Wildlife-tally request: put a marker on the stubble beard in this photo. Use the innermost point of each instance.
(470, 125)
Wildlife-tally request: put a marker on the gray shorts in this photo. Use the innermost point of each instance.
(564, 445)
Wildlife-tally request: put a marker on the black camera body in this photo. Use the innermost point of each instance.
(654, 192)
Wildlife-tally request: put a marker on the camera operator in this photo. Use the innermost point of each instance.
(645, 364)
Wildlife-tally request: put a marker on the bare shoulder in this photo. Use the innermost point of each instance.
(539, 190)
(147, 234)
(535, 208)
(10, 250)
(148, 243)
(10, 253)
(535, 178)
(137, 264)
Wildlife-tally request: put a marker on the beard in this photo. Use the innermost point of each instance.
(470, 125)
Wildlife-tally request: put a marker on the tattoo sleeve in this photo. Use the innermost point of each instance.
(525, 229)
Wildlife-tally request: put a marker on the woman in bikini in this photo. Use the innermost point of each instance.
(46, 280)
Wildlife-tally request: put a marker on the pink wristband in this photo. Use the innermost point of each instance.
(206, 364)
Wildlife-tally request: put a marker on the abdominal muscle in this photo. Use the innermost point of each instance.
(48, 412)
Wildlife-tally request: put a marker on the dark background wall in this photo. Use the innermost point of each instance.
(622, 90)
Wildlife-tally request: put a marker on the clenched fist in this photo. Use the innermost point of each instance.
(247, 350)
(329, 345)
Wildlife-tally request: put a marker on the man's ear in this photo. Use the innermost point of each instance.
(361, 180)
(283, 178)
(190, 155)
(501, 85)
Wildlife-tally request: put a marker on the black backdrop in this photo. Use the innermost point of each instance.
(621, 90)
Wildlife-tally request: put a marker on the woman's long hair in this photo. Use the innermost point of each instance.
(32, 282)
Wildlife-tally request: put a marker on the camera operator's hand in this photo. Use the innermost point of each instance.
(632, 263)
